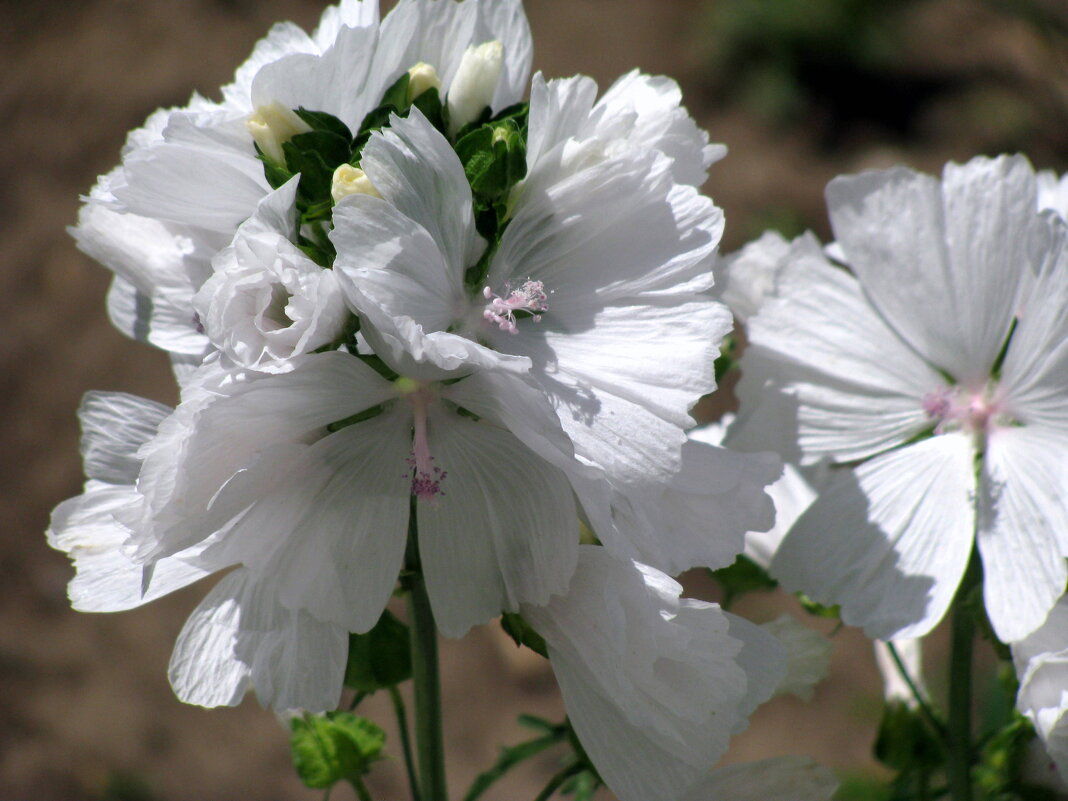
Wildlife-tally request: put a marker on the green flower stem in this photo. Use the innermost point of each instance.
(962, 640)
(929, 714)
(426, 678)
(361, 789)
(406, 742)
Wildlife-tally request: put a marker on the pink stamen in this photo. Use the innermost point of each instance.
(530, 297)
(426, 476)
(958, 408)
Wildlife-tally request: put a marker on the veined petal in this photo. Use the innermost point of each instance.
(558, 108)
(933, 257)
(348, 13)
(890, 540)
(1023, 527)
(114, 427)
(1035, 372)
(504, 532)
(106, 579)
(415, 168)
(389, 260)
(650, 682)
(859, 389)
(239, 636)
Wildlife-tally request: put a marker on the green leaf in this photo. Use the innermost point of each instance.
(744, 576)
(321, 121)
(522, 634)
(397, 94)
(382, 657)
(333, 747)
(494, 158)
(430, 104)
(905, 742)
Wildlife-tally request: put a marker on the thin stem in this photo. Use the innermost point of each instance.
(557, 781)
(361, 789)
(356, 700)
(928, 713)
(426, 678)
(962, 638)
(406, 741)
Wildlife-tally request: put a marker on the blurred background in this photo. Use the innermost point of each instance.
(800, 90)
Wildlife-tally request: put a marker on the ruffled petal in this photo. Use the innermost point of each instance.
(240, 637)
(114, 427)
(890, 540)
(776, 779)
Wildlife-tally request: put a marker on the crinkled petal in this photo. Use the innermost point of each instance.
(890, 540)
(1041, 661)
(106, 579)
(808, 656)
(1023, 527)
(114, 427)
(241, 637)
(503, 532)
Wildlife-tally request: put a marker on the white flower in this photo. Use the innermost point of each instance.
(621, 348)
(240, 635)
(307, 478)
(1041, 661)
(934, 378)
(655, 685)
(191, 176)
(267, 301)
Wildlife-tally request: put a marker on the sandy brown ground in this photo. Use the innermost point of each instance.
(84, 699)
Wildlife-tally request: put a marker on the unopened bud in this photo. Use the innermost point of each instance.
(475, 83)
(349, 180)
(422, 78)
(273, 124)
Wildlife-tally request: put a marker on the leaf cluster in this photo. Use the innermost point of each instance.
(333, 747)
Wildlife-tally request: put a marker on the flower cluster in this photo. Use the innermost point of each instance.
(399, 298)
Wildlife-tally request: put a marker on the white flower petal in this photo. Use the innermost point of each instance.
(504, 532)
(764, 658)
(808, 656)
(1041, 661)
(239, 636)
(857, 387)
(650, 684)
(775, 779)
(932, 257)
(1035, 372)
(283, 39)
(890, 540)
(114, 427)
(1023, 527)
(107, 580)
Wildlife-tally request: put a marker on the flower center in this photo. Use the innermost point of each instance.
(530, 299)
(961, 409)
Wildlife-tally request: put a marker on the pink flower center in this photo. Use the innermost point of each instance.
(961, 409)
(426, 476)
(530, 298)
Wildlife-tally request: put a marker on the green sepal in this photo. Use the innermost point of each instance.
(494, 158)
(315, 155)
(394, 101)
(728, 357)
(382, 657)
(583, 785)
(317, 254)
(327, 123)
(333, 747)
(429, 103)
(742, 577)
(522, 633)
(276, 174)
(818, 609)
(905, 741)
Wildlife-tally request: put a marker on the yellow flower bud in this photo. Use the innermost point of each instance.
(349, 180)
(273, 124)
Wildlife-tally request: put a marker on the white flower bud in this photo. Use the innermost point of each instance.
(273, 124)
(349, 180)
(475, 83)
(422, 78)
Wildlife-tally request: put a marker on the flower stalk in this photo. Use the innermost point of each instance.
(426, 677)
(962, 640)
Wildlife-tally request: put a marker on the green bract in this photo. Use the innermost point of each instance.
(336, 746)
